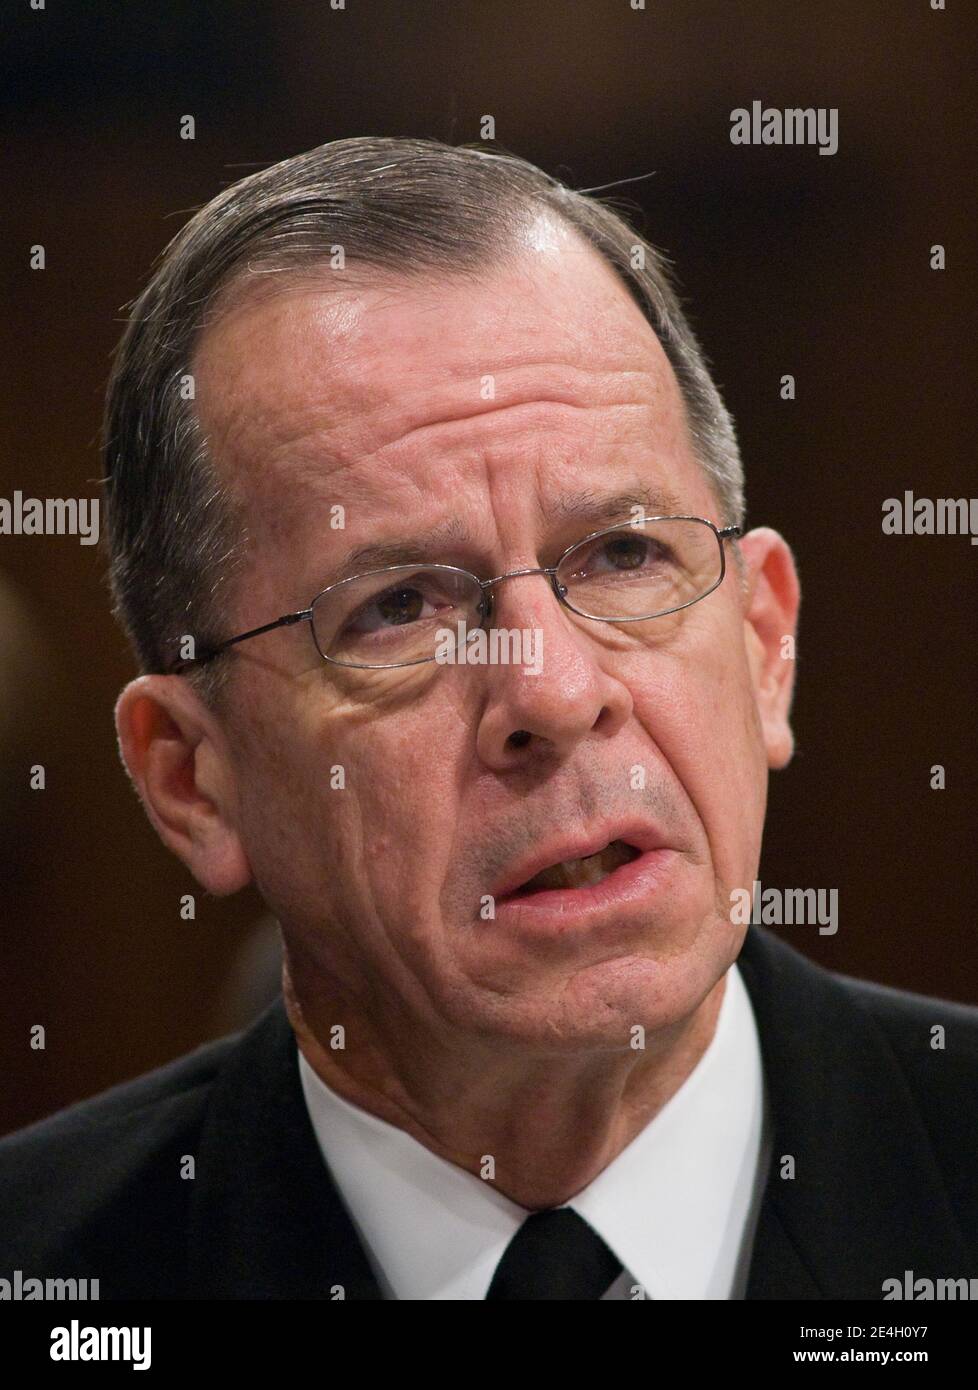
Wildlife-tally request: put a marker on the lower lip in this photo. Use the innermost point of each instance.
(557, 909)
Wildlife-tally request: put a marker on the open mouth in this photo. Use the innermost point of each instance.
(579, 873)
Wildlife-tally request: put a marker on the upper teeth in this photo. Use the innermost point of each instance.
(572, 873)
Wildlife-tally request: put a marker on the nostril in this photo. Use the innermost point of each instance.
(519, 739)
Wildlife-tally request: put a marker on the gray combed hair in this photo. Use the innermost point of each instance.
(407, 207)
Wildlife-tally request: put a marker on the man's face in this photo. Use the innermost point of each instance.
(480, 411)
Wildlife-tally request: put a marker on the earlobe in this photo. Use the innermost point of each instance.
(175, 753)
(771, 619)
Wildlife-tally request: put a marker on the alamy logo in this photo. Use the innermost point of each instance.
(927, 516)
(50, 516)
(78, 1343)
(501, 646)
(796, 125)
(926, 1290)
(786, 907)
(25, 1289)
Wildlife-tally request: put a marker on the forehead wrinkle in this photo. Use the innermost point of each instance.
(316, 452)
(425, 391)
(366, 411)
(294, 445)
(537, 416)
(456, 399)
(377, 484)
(439, 415)
(443, 417)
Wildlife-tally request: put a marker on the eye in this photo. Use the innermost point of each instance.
(394, 608)
(625, 553)
(414, 600)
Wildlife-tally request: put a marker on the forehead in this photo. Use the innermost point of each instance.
(347, 387)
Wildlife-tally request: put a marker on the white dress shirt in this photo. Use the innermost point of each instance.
(678, 1205)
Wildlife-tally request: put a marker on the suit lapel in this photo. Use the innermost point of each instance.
(867, 1200)
(266, 1218)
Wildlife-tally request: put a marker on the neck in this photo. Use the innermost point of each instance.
(541, 1128)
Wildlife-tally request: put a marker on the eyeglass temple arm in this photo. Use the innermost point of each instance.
(209, 653)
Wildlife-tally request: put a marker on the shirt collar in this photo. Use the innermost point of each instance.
(673, 1205)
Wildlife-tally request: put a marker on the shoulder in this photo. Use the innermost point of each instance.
(168, 1091)
(874, 1049)
(935, 1044)
(907, 1017)
(910, 1022)
(71, 1184)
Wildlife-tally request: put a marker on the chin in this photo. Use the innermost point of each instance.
(602, 1007)
(650, 992)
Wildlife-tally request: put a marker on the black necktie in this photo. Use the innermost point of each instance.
(555, 1254)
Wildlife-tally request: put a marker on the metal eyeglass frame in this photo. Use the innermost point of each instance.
(306, 614)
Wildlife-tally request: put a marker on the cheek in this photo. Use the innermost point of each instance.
(703, 718)
(366, 788)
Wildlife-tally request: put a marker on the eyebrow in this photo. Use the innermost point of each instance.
(592, 508)
(604, 507)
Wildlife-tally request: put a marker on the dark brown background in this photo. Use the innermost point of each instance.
(791, 262)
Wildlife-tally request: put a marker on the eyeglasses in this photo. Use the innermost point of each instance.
(396, 616)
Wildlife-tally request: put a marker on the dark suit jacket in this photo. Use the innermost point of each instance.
(883, 1129)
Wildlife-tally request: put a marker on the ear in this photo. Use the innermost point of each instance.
(770, 620)
(177, 756)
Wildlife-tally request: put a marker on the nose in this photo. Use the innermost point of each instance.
(528, 716)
